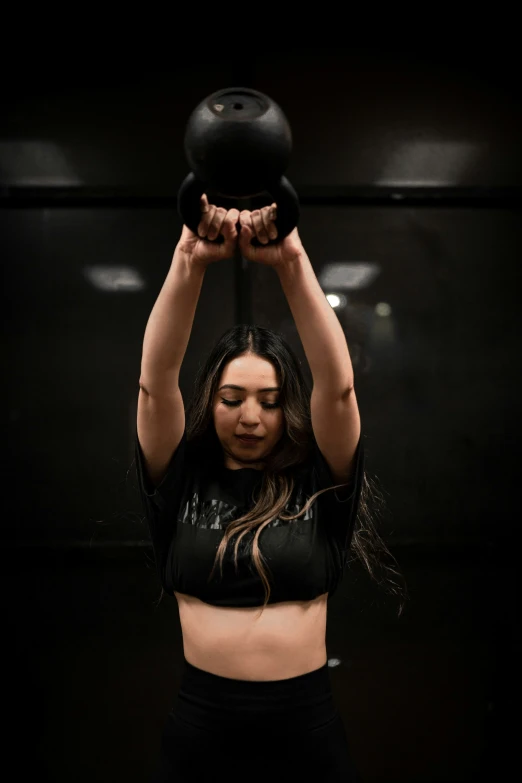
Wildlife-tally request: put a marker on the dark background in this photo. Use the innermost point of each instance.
(407, 160)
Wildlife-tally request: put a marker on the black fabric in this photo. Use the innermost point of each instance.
(243, 730)
(191, 508)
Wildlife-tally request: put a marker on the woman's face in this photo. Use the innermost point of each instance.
(250, 409)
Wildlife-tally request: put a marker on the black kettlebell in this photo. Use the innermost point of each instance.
(238, 144)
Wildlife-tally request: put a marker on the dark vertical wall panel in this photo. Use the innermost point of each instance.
(81, 283)
(438, 393)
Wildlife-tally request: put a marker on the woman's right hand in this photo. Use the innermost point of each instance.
(214, 221)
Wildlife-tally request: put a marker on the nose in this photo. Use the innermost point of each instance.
(249, 413)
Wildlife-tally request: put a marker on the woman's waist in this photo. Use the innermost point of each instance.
(209, 701)
(284, 640)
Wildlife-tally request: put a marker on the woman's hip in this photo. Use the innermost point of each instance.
(287, 729)
(209, 702)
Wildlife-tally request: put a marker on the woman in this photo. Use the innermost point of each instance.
(251, 509)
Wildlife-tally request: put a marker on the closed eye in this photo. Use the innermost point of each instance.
(235, 403)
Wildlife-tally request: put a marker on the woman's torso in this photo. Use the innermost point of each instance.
(288, 639)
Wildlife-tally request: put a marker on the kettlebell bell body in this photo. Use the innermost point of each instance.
(238, 142)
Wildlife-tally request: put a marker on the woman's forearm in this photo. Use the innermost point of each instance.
(170, 324)
(321, 333)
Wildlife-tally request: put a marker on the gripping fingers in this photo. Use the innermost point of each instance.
(245, 218)
(268, 215)
(229, 229)
(259, 226)
(217, 222)
(206, 221)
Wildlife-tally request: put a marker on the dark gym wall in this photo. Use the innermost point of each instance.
(374, 118)
(403, 162)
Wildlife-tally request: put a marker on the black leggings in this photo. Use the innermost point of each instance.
(243, 730)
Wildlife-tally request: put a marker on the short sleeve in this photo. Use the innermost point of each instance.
(339, 508)
(161, 504)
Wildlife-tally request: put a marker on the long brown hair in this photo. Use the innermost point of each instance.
(291, 452)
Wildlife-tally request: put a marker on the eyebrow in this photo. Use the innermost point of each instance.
(242, 388)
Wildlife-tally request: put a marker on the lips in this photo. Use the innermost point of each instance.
(248, 437)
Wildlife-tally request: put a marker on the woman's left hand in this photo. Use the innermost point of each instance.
(260, 224)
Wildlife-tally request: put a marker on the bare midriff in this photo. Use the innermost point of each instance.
(288, 639)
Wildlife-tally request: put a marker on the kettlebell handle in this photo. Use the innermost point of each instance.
(282, 192)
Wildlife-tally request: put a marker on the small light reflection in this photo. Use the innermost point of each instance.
(36, 163)
(337, 301)
(383, 309)
(114, 278)
(348, 275)
(333, 662)
(428, 162)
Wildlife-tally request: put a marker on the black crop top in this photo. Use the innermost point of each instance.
(189, 511)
